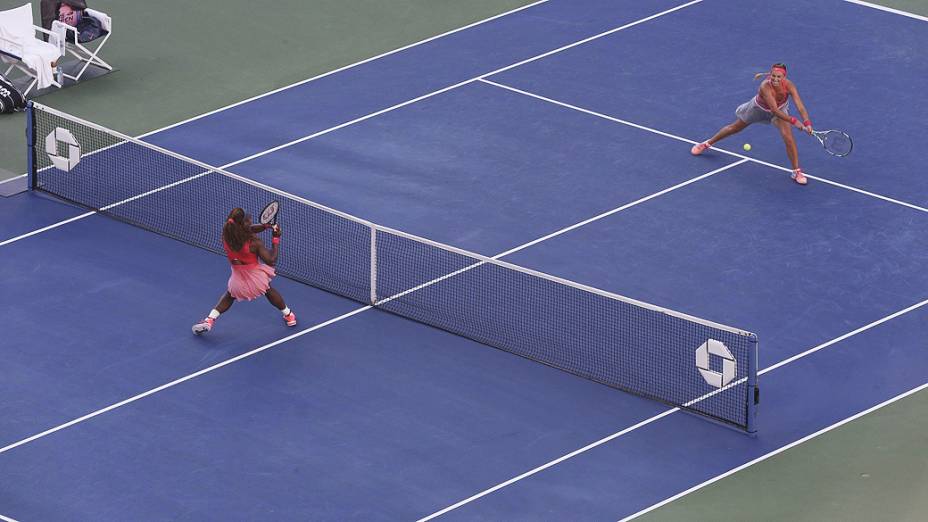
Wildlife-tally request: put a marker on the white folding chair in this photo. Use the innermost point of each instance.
(87, 52)
(26, 53)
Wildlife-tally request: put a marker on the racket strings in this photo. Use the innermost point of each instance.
(270, 212)
(835, 142)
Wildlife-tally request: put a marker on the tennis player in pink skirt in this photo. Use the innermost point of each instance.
(250, 278)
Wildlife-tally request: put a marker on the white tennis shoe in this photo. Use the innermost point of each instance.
(203, 326)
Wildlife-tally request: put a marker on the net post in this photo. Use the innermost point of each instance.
(30, 145)
(753, 390)
(373, 265)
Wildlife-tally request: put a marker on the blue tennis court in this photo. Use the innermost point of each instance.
(555, 138)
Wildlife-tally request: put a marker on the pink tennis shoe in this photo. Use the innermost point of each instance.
(699, 148)
(799, 177)
(290, 319)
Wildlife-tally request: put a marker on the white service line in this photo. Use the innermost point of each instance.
(777, 451)
(7, 519)
(667, 413)
(506, 68)
(889, 10)
(623, 207)
(318, 326)
(680, 138)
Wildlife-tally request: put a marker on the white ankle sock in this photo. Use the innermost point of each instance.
(213, 314)
(285, 311)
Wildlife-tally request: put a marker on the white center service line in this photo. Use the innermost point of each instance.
(687, 140)
(666, 413)
(46, 229)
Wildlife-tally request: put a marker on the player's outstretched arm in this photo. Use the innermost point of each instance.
(806, 121)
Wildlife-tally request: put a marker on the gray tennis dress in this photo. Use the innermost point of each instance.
(749, 112)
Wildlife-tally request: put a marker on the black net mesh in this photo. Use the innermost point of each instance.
(592, 334)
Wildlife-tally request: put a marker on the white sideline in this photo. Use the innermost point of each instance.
(662, 415)
(180, 380)
(344, 68)
(888, 10)
(9, 180)
(7, 519)
(776, 452)
(687, 140)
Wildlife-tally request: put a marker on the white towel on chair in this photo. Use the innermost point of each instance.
(39, 56)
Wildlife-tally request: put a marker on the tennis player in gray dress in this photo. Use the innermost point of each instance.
(771, 106)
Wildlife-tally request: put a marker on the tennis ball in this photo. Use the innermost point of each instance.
(747, 146)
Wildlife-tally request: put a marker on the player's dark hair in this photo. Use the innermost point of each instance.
(234, 232)
(780, 65)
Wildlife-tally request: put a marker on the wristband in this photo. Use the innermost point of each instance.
(275, 240)
(792, 120)
(807, 123)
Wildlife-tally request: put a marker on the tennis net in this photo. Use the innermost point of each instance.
(696, 365)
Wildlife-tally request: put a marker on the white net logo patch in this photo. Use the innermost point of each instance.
(64, 136)
(729, 369)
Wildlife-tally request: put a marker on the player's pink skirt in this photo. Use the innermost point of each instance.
(250, 281)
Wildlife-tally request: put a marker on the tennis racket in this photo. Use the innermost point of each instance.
(836, 143)
(269, 214)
